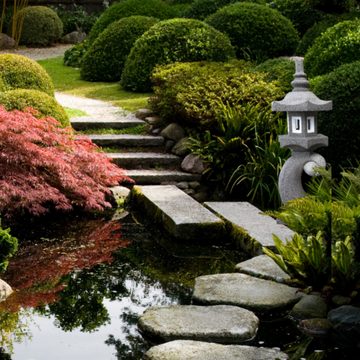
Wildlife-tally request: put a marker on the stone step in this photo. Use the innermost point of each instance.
(221, 324)
(181, 215)
(154, 177)
(198, 350)
(136, 160)
(258, 295)
(87, 122)
(252, 230)
(124, 140)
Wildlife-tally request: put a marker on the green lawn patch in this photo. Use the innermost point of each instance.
(136, 130)
(71, 112)
(67, 79)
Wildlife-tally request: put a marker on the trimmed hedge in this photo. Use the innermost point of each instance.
(41, 26)
(337, 46)
(105, 59)
(117, 11)
(201, 9)
(256, 31)
(176, 40)
(19, 72)
(342, 124)
(280, 70)
(37, 100)
(315, 31)
(190, 92)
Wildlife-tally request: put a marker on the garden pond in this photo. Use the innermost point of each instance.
(82, 282)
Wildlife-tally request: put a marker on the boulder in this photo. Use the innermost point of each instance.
(193, 164)
(309, 307)
(196, 350)
(118, 196)
(143, 113)
(169, 144)
(5, 290)
(315, 327)
(221, 324)
(183, 185)
(181, 147)
(6, 42)
(201, 197)
(173, 132)
(73, 37)
(194, 185)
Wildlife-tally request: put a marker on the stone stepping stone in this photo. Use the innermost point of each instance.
(221, 324)
(252, 230)
(260, 296)
(263, 267)
(126, 140)
(196, 350)
(181, 215)
(87, 122)
(154, 177)
(138, 159)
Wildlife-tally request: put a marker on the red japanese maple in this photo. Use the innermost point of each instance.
(42, 164)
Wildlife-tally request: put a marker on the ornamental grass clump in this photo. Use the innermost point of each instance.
(170, 41)
(105, 59)
(20, 72)
(44, 166)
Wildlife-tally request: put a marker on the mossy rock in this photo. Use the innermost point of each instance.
(19, 72)
(46, 105)
(41, 26)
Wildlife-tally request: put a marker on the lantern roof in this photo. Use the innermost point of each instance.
(301, 98)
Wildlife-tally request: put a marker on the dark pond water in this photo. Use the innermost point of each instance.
(82, 283)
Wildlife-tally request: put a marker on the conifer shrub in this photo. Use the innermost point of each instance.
(176, 40)
(256, 31)
(320, 27)
(105, 59)
(43, 103)
(41, 26)
(193, 92)
(19, 72)
(341, 125)
(339, 45)
(279, 70)
(119, 10)
(201, 9)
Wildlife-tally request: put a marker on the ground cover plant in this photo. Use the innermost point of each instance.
(175, 40)
(74, 55)
(119, 10)
(45, 166)
(256, 31)
(8, 247)
(105, 59)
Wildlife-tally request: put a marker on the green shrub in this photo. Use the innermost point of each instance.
(255, 31)
(74, 55)
(46, 105)
(191, 92)
(280, 70)
(105, 59)
(317, 29)
(200, 9)
(41, 26)
(301, 14)
(337, 46)
(8, 247)
(19, 72)
(176, 40)
(333, 6)
(117, 11)
(342, 124)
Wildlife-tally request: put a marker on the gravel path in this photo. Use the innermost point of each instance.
(39, 53)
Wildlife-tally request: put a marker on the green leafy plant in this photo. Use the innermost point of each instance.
(74, 55)
(8, 247)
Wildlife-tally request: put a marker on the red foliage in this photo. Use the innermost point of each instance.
(41, 163)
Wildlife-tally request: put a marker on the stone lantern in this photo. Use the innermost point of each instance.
(301, 106)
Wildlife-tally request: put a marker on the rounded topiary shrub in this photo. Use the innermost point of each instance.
(19, 72)
(105, 59)
(41, 26)
(176, 40)
(339, 45)
(46, 105)
(117, 11)
(201, 9)
(279, 70)
(256, 31)
(341, 124)
(320, 27)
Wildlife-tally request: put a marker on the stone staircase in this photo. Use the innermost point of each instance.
(143, 156)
